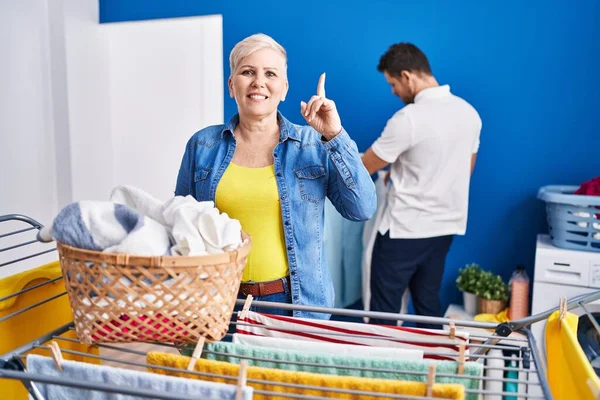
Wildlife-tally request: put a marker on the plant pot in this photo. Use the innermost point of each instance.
(470, 303)
(490, 306)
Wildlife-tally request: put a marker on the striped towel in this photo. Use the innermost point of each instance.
(435, 344)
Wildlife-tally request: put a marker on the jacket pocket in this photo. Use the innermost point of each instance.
(201, 181)
(312, 183)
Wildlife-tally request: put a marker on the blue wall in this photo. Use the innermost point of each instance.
(531, 69)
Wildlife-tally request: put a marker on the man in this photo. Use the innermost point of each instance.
(431, 145)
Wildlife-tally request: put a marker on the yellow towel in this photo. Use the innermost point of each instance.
(570, 374)
(30, 325)
(448, 391)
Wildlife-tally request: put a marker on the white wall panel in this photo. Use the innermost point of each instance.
(27, 164)
(85, 106)
(165, 84)
(27, 151)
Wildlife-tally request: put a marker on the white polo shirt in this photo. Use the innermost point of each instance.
(429, 144)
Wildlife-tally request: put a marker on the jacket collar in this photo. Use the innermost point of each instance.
(287, 130)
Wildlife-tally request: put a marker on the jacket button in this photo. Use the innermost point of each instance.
(287, 223)
(279, 174)
(289, 248)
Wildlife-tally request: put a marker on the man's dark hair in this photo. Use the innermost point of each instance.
(404, 57)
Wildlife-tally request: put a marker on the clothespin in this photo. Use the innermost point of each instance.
(56, 355)
(196, 354)
(246, 308)
(242, 378)
(452, 330)
(562, 310)
(430, 380)
(461, 357)
(593, 388)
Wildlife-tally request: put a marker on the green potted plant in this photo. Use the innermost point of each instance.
(467, 280)
(492, 293)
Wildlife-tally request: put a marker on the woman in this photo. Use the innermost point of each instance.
(273, 176)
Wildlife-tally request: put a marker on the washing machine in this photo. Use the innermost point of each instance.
(565, 273)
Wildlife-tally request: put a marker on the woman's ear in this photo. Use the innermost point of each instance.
(230, 85)
(287, 87)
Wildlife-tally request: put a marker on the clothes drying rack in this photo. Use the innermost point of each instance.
(512, 335)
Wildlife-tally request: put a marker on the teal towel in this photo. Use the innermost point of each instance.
(331, 364)
(511, 387)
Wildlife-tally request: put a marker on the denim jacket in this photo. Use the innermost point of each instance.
(306, 169)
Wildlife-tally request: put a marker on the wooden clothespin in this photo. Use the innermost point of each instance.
(246, 308)
(430, 380)
(56, 355)
(562, 310)
(196, 354)
(461, 357)
(593, 388)
(242, 378)
(452, 331)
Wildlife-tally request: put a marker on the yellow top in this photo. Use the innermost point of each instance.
(251, 196)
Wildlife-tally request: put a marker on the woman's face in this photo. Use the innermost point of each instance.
(259, 83)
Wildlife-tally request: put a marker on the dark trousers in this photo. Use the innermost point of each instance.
(414, 263)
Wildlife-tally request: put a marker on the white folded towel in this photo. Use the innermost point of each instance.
(197, 228)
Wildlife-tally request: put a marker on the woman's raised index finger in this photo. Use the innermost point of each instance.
(321, 86)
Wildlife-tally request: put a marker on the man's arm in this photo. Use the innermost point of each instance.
(372, 162)
(396, 138)
(473, 159)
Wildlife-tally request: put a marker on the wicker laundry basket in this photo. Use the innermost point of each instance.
(126, 298)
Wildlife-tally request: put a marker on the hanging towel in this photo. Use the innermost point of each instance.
(512, 372)
(570, 374)
(436, 344)
(342, 241)
(346, 365)
(328, 348)
(318, 381)
(368, 241)
(83, 372)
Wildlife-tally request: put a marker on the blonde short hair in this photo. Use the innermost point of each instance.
(251, 44)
